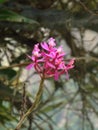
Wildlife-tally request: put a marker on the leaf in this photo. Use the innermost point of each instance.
(2, 1)
(9, 73)
(5, 115)
(7, 15)
(6, 93)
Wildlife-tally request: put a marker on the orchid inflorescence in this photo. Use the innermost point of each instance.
(49, 60)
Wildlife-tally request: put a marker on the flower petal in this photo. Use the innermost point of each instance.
(45, 46)
(51, 42)
(29, 66)
(71, 61)
(50, 65)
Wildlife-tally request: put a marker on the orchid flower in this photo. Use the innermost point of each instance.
(49, 60)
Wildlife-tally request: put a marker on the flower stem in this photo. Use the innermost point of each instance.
(33, 107)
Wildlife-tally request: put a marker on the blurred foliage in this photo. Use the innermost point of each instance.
(6, 15)
(2, 1)
(65, 105)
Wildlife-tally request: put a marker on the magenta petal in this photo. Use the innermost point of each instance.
(36, 48)
(29, 66)
(71, 61)
(61, 55)
(70, 64)
(50, 65)
(62, 66)
(33, 58)
(40, 60)
(51, 55)
(29, 56)
(51, 42)
(70, 67)
(45, 46)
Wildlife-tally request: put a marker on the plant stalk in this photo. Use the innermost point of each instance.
(33, 107)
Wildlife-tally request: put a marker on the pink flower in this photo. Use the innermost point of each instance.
(51, 42)
(49, 60)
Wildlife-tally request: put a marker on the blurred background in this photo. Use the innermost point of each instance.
(66, 104)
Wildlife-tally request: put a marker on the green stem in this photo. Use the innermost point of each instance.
(34, 105)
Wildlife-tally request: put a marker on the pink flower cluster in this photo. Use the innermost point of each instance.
(49, 60)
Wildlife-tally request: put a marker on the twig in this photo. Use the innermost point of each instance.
(23, 105)
(15, 65)
(86, 8)
(90, 58)
(33, 107)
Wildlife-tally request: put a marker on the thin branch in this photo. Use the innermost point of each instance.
(90, 58)
(15, 65)
(86, 8)
(33, 107)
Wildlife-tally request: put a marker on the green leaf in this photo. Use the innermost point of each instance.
(9, 73)
(5, 114)
(2, 1)
(6, 93)
(7, 15)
